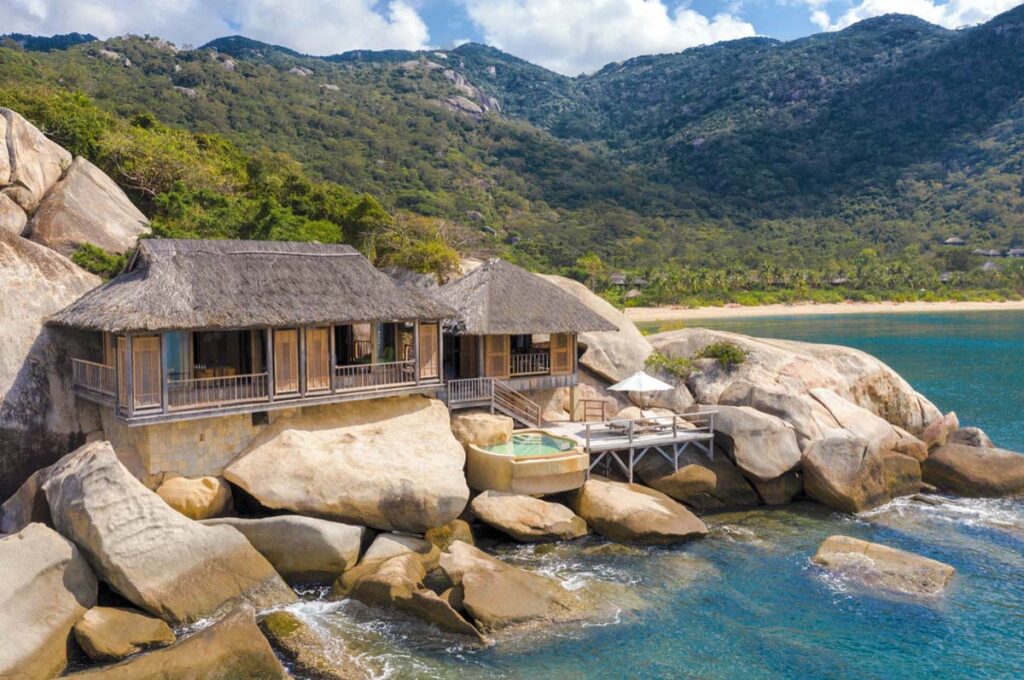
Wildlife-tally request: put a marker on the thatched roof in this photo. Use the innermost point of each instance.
(182, 284)
(498, 298)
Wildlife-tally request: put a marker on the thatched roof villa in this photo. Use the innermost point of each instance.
(217, 327)
(512, 326)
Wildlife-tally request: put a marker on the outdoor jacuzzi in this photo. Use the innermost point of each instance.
(532, 462)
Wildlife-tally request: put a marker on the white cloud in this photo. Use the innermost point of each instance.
(951, 14)
(313, 26)
(574, 36)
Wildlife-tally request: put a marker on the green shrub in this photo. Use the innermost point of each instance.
(98, 261)
(728, 355)
(677, 367)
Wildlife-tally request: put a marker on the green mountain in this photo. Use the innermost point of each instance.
(892, 134)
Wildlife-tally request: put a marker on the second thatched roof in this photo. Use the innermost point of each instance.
(498, 298)
(183, 284)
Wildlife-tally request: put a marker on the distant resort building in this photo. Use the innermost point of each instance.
(954, 241)
(195, 328)
(618, 279)
(1015, 252)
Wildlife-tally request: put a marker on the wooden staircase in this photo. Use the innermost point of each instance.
(496, 395)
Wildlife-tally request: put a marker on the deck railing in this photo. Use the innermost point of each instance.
(648, 430)
(465, 390)
(534, 363)
(386, 374)
(516, 404)
(200, 392)
(94, 376)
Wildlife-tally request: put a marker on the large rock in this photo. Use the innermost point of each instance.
(87, 207)
(527, 519)
(859, 422)
(496, 595)
(158, 559)
(384, 548)
(110, 633)
(306, 651)
(613, 355)
(902, 474)
(391, 464)
(301, 549)
(883, 567)
(398, 583)
(46, 586)
(27, 505)
(793, 368)
(696, 469)
(449, 532)
(12, 217)
(39, 418)
(230, 649)
(970, 436)
(762, 446)
(634, 513)
(198, 498)
(975, 471)
(806, 415)
(29, 162)
(481, 429)
(845, 473)
(940, 430)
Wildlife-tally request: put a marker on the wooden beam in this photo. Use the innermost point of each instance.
(331, 342)
(129, 360)
(270, 364)
(416, 349)
(302, 361)
(164, 387)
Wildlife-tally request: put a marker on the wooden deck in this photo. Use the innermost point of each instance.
(625, 443)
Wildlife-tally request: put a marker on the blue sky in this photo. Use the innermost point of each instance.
(568, 36)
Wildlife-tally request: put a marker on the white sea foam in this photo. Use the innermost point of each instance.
(991, 512)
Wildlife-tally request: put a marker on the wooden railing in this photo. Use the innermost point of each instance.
(655, 428)
(93, 376)
(515, 404)
(468, 390)
(362, 376)
(235, 389)
(535, 363)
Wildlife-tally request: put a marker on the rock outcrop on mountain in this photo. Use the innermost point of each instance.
(60, 203)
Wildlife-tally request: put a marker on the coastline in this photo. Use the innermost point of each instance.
(653, 314)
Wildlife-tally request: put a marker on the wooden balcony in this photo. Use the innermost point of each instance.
(94, 377)
(533, 363)
(197, 393)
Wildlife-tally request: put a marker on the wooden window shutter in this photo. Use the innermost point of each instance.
(286, 361)
(428, 351)
(146, 373)
(496, 356)
(561, 353)
(318, 360)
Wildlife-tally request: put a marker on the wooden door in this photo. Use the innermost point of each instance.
(561, 353)
(318, 359)
(496, 356)
(286, 361)
(147, 390)
(429, 351)
(469, 366)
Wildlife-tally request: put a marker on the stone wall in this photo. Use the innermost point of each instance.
(189, 448)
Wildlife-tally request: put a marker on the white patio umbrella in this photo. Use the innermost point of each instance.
(642, 383)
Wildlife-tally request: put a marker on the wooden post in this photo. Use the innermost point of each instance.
(572, 403)
(440, 351)
(164, 375)
(302, 361)
(129, 359)
(330, 364)
(117, 378)
(481, 357)
(416, 349)
(270, 364)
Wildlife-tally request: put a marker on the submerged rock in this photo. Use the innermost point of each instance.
(634, 513)
(845, 473)
(232, 647)
(303, 648)
(883, 567)
(161, 561)
(301, 549)
(110, 633)
(390, 464)
(527, 519)
(46, 586)
(975, 471)
(497, 595)
(198, 498)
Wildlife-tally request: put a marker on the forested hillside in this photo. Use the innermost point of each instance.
(839, 160)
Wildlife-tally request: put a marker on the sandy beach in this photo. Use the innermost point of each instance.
(649, 314)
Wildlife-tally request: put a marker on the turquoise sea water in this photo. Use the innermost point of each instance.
(745, 603)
